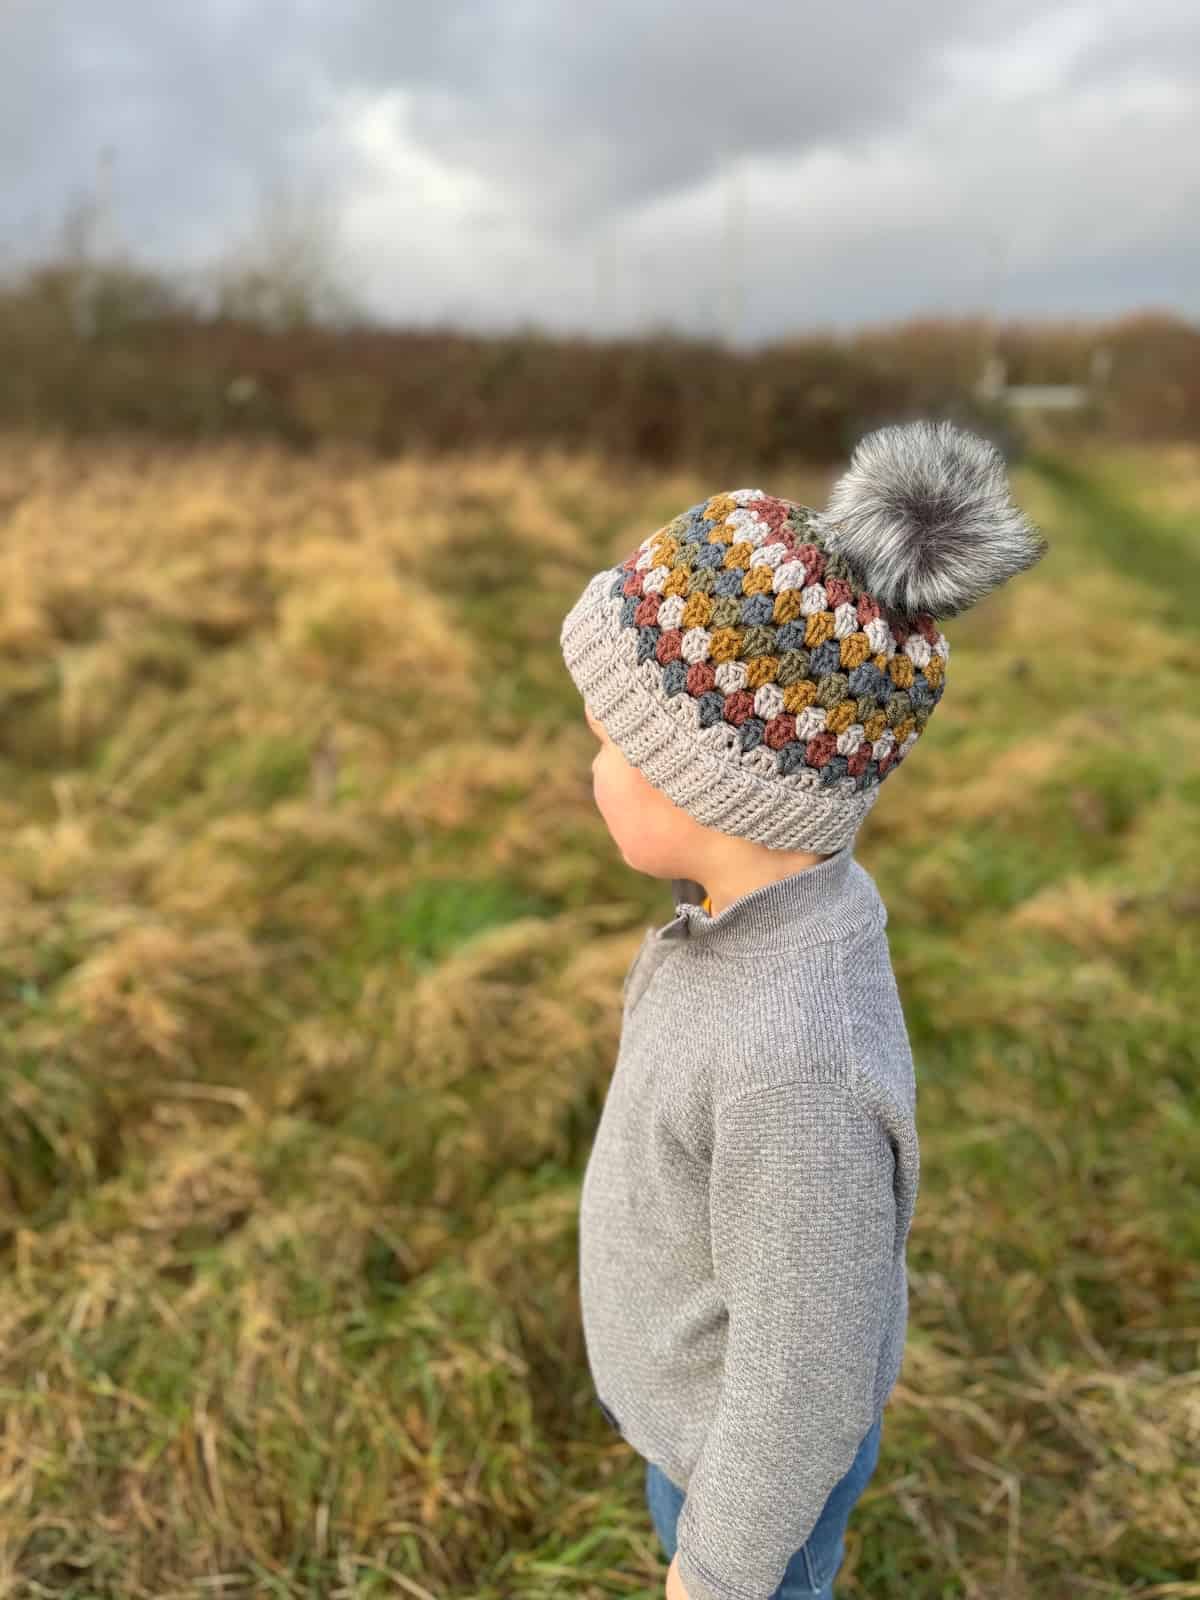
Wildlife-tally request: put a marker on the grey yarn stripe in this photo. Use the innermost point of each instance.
(745, 1212)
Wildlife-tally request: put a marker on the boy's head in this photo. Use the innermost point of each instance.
(661, 839)
(755, 669)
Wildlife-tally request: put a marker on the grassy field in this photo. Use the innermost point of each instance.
(311, 943)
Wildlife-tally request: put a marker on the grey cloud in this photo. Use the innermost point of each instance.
(1162, 36)
(570, 113)
(576, 122)
(578, 127)
(198, 105)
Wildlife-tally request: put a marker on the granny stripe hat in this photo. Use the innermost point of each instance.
(766, 665)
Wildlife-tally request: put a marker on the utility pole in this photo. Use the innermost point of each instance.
(105, 229)
(993, 370)
(606, 265)
(733, 251)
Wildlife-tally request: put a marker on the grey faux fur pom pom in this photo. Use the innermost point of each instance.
(924, 519)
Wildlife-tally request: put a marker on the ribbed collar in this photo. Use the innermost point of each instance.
(816, 903)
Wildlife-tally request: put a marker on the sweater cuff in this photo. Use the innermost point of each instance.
(702, 1585)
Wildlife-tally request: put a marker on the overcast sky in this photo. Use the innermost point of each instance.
(751, 168)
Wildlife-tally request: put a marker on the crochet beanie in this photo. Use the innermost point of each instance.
(766, 665)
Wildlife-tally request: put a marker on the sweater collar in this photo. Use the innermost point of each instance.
(816, 903)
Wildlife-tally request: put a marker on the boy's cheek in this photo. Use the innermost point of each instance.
(612, 798)
(600, 787)
(602, 791)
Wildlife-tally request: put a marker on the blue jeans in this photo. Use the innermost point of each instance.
(811, 1570)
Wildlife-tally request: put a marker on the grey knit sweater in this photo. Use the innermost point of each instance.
(745, 1212)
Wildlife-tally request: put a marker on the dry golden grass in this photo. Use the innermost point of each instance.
(309, 985)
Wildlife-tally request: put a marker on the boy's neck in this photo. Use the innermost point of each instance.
(727, 877)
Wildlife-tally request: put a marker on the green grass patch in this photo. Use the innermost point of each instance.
(436, 915)
(258, 771)
(1129, 538)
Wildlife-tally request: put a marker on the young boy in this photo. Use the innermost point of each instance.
(753, 671)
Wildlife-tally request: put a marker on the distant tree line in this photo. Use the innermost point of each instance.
(87, 346)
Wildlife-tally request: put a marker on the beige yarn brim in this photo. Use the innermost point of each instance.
(703, 770)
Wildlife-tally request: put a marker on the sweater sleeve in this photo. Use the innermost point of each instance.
(803, 1221)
